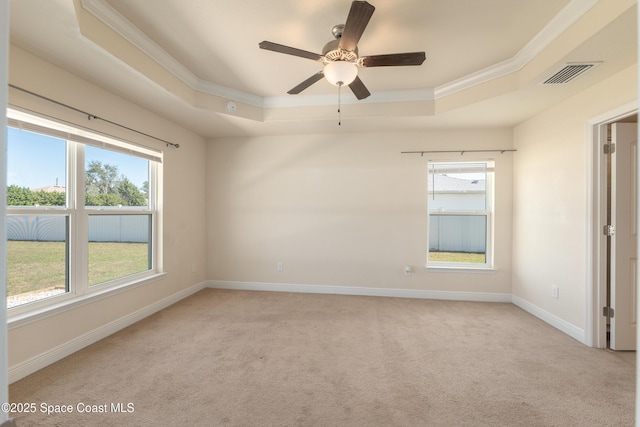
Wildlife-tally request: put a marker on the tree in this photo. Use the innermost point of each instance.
(103, 187)
(44, 198)
(94, 199)
(19, 196)
(129, 193)
(23, 196)
(99, 178)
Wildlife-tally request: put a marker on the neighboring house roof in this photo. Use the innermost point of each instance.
(51, 189)
(449, 184)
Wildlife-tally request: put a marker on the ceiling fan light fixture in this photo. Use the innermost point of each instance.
(340, 56)
(340, 73)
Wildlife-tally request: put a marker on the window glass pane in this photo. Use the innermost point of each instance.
(458, 238)
(36, 257)
(115, 179)
(457, 187)
(36, 169)
(119, 245)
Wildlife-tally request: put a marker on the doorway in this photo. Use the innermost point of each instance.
(613, 246)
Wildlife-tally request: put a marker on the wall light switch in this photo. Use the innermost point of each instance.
(407, 270)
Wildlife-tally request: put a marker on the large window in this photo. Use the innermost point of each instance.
(81, 212)
(460, 203)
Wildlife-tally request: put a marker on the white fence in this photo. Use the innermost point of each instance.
(464, 233)
(102, 228)
(456, 233)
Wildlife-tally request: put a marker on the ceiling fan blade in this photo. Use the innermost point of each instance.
(289, 50)
(359, 89)
(305, 84)
(394, 59)
(357, 21)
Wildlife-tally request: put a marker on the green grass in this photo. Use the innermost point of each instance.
(34, 266)
(462, 257)
(108, 261)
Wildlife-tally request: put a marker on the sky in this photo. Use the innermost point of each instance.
(35, 160)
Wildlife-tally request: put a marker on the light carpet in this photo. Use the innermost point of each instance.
(240, 358)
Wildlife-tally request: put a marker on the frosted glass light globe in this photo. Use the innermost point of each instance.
(340, 73)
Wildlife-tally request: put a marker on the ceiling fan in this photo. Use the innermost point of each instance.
(340, 56)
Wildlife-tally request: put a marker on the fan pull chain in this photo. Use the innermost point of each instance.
(339, 104)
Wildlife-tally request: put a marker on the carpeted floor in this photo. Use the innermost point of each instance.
(240, 358)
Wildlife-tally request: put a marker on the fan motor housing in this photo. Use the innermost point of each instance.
(332, 52)
(337, 30)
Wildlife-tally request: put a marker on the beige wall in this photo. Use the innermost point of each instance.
(341, 210)
(183, 196)
(550, 198)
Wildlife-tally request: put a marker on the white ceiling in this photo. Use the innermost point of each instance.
(185, 59)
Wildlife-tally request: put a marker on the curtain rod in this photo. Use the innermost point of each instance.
(458, 151)
(93, 116)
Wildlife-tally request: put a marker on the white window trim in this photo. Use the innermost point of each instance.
(79, 291)
(488, 265)
(39, 312)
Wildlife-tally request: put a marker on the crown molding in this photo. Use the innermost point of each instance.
(211, 88)
(559, 24)
(118, 23)
(121, 25)
(348, 98)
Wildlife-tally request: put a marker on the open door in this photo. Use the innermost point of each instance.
(624, 235)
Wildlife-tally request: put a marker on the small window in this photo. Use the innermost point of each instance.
(459, 205)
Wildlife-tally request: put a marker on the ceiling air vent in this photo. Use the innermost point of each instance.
(569, 72)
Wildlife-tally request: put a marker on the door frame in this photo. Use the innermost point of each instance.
(596, 242)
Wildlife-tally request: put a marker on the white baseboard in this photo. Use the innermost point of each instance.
(553, 320)
(36, 363)
(354, 290)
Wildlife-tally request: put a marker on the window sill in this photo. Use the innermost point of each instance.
(473, 270)
(70, 303)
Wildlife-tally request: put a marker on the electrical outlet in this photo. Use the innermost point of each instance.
(554, 292)
(280, 267)
(407, 270)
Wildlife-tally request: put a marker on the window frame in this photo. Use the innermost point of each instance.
(78, 289)
(488, 213)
